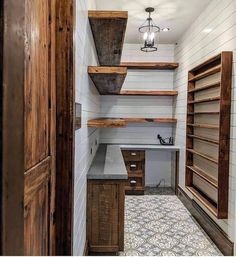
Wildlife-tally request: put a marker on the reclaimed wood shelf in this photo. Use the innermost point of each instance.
(207, 126)
(220, 64)
(209, 86)
(205, 139)
(107, 80)
(209, 99)
(148, 93)
(108, 28)
(107, 123)
(203, 174)
(203, 200)
(206, 73)
(202, 113)
(123, 122)
(150, 65)
(204, 156)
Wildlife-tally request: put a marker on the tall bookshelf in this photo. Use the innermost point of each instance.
(208, 133)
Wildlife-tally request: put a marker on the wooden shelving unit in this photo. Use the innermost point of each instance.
(123, 122)
(150, 65)
(108, 28)
(201, 80)
(108, 80)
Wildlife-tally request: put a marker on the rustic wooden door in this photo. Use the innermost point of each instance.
(39, 132)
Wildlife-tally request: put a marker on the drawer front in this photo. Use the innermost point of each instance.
(135, 182)
(133, 155)
(133, 166)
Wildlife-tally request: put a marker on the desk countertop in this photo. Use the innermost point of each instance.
(109, 164)
(150, 147)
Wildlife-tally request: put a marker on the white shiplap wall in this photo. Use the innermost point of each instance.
(85, 138)
(195, 46)
(141, 106)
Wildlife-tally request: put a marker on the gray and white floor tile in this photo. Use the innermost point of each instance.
(160, 225)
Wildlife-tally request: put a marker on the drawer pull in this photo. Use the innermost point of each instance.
(133, 182)
(133, 154)
(133, 166)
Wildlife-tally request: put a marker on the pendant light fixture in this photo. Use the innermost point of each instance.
(149, 33)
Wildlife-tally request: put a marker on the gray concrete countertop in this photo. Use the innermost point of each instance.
(108, 164)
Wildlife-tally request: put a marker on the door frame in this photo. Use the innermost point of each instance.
(65, 98)
(12, 223)
(12, 56)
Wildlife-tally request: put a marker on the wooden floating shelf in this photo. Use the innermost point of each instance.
(108, 80)
(203, 200)
(202, 113)
(207, 126)
(108, 28)
(214, 85)
(150, 65)
(206, 157)
(148, 93)
(123, 122)
(107, 123)
(203, 174)
(209, 99)
(216, 142)
(206, 73)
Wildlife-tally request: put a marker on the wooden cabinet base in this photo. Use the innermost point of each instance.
(136, 191)
(105, 215)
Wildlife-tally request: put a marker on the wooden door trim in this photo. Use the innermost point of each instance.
(13, 128)
(65, 98)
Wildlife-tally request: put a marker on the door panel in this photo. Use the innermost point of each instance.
(36, 209)
(36, 82)
(39, 186)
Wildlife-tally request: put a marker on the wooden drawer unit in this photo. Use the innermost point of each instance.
(135, 165)
(105, 216)
(133, 155)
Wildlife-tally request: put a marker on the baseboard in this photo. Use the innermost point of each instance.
(217, 235)
(86, 249)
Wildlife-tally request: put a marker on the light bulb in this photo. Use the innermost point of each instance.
(152, 36)
(145, 36)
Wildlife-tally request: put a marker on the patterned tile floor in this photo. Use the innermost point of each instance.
(160, 225)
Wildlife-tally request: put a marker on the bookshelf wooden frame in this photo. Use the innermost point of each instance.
(222, 64)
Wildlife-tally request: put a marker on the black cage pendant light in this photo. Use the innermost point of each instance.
(149, 33)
